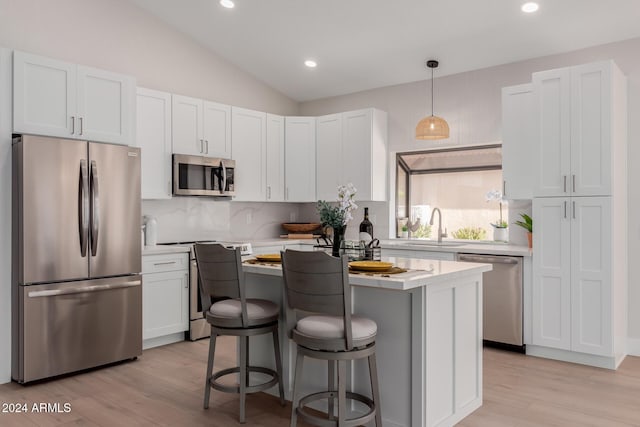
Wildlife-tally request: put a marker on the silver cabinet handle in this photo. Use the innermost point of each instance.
(564, 178)
(573, 178)
(169, 187)
(206, 144)
(488, 259)
(202, 146)
(73, 125)
(186, 282)
(268, 192)
(286, 195)
(504, 188)
(164, 263)
(95, 207)
(83, 211)
(81, 127)
(82, 289)
(565, 210)
(574, 210)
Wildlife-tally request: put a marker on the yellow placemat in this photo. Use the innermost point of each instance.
(255, 261)
(386, 273)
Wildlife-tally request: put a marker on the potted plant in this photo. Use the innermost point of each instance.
(527, 224)
(405, 231)
(337, 217)
(500, 233)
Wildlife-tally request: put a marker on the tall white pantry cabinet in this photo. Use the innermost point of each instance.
(579, 294)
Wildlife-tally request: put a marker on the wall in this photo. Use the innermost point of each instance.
(118, 36)
(471, 104)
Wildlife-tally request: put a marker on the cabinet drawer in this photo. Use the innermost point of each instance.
(165, 262)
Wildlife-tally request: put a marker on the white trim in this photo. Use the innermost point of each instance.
(575, 357)
(633, 346)
(163, 340)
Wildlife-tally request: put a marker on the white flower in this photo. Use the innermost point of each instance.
(493, 195)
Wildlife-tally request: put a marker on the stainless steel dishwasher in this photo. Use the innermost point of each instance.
(502, 300)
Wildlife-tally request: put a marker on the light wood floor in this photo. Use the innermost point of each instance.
(164, 387)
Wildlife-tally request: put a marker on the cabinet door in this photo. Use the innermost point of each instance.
(364, 153)
(300, 159)
(518, 141)
(44, 96)
(591, 98)
(329, 162)
(105, 106)
(153, 136)
(552, 91)
(275, 158)
(591, 287)
(551, 293)
(217, 129)
(186, 121)
(249, 138)
(165, 303)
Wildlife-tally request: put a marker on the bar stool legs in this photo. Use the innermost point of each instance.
(276, 347)
(207, 384)
(375, 390)
(332, 387)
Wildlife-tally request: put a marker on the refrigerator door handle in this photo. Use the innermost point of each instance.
(95, 208)
(83, 208)
(82, 289)
(224, 177)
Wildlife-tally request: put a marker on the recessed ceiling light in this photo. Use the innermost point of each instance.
(310, 63)
(227, 3)
(530, 7)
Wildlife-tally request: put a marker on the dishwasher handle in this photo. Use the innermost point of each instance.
(488, 259)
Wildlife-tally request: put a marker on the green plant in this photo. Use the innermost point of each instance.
(423, 231)
(500, 224)
(405, 228)
(527, 224)
(470, 233)
(338, 216)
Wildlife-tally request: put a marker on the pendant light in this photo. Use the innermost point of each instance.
(432, 127)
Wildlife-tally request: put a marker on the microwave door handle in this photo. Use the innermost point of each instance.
(83, 208)
(223, 187)
(95, 207)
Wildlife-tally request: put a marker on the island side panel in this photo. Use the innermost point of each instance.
(448, 351)
(392, 311)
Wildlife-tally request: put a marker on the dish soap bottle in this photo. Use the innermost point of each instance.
(151, 231)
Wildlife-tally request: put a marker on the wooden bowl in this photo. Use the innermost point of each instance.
(301, 227)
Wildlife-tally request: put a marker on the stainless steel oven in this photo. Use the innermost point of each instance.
(203, 176)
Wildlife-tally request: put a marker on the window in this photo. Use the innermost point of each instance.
(465, 183)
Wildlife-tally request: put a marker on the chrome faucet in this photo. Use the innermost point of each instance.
(433, 214)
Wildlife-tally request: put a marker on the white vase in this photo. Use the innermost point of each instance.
(500, 234)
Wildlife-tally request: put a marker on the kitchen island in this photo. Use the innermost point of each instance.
(429, 343)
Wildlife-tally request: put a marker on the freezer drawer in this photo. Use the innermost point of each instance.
(67, 327)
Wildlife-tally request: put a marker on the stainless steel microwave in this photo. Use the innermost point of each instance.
(203, 176)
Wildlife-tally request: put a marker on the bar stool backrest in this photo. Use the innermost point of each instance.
(319, 283)
(220, 276)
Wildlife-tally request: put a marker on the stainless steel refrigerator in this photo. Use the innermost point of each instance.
(77, 288)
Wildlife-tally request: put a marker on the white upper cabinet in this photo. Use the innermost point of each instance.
(300, 159)
(577, 131)
(352, 148)
(153, 136)
(518, 141)
(217, 129)
(187, 125)
(56, 98)
(275, 158)
(328, 156)
(249, 140)
(201, 128)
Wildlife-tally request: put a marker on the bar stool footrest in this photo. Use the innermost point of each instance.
(236, 388)
(324, 422)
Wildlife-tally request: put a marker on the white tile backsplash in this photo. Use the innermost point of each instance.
(200, 218)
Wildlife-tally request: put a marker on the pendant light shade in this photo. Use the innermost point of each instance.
(432, 127)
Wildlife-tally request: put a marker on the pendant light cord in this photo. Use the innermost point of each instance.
(431, 92)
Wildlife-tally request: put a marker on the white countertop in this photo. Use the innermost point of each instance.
(164, 249)
(472, 248)
(421, 273)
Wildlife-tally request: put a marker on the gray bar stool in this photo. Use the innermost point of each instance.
(318, 284)
(221, 278)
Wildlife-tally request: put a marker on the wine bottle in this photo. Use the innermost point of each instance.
(366, 228)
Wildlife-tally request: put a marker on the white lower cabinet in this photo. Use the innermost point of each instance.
(578, 294)
(165, 299)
